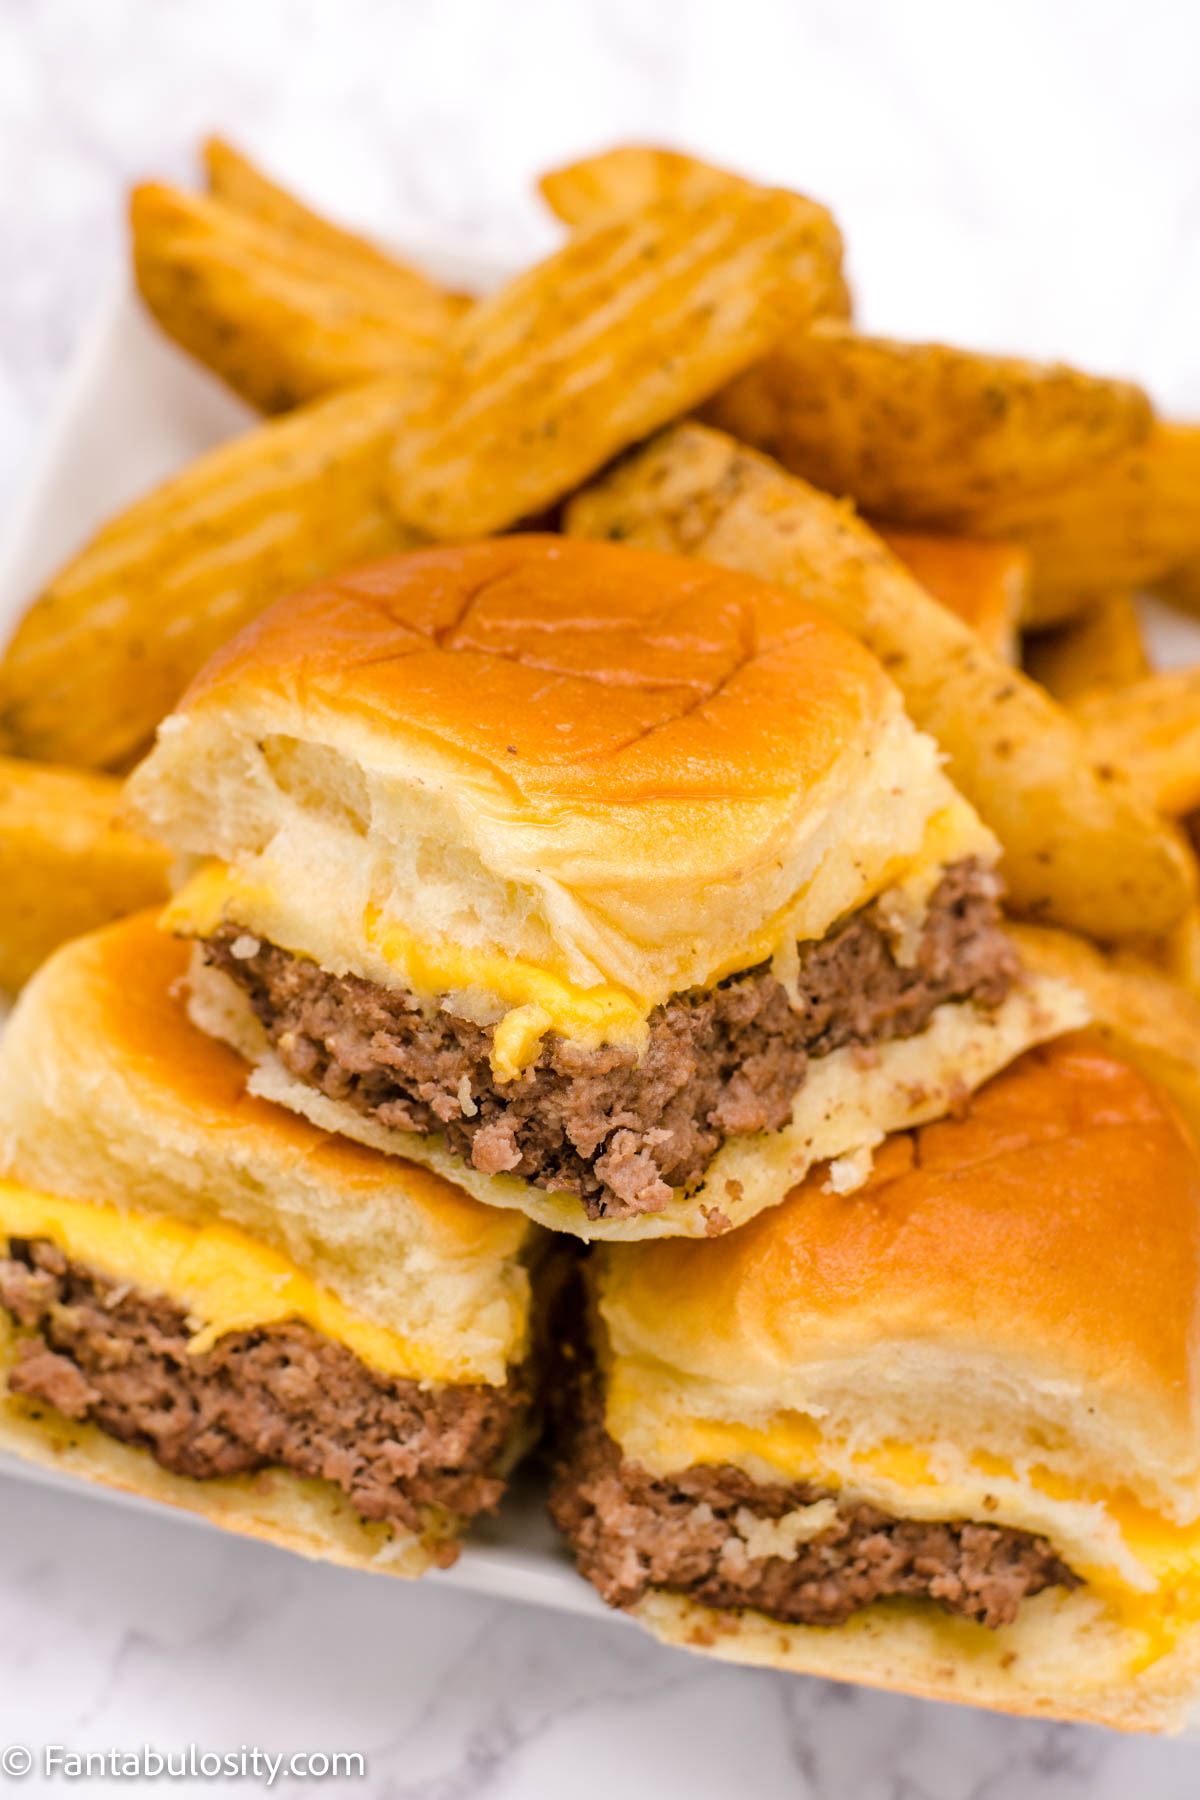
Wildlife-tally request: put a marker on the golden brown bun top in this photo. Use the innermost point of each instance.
(121, 987)
(1055, 1224)
(567, 668)
(627, 770)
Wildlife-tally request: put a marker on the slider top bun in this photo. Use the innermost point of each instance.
(622, 767)
(1023, 1280)
(109, 1094)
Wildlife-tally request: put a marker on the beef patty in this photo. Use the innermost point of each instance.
(283, 1396)
(707, 1533)
(619, 1131)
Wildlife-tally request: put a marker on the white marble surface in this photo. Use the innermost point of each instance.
(1020, 174)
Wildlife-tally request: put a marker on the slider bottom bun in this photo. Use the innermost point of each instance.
(1061, 1659)
(940, 1435)
(848, 1102)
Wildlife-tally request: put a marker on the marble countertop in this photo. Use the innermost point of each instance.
(1019, 175)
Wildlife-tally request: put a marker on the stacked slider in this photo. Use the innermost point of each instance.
(618, 888)
(205, 1299)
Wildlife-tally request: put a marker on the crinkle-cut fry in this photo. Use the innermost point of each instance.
(1080, 848)
(279, 323)
(634, 321)
(628, 178)
(924, 435)
(1150, 731)
(1134, 523)
(1103, 648)
(240, 184)
(983, 583)
(67, 864)
(634, 176)
(110, 644)
(1145, 1016)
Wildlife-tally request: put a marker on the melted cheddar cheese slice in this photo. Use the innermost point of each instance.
(224, 1279)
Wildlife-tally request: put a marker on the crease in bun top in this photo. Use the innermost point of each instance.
(942, 1434)
(617, 886)
(206, 1299)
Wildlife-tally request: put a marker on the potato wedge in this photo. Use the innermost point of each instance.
(627, 179)
(105, 651)
(235, 180)
(1182, 586)
(926, 436)
(280, 324)
(1174, 953)
(1139, 1012)
(1134, 523)
(1151, 733)
(983, 583)
(67, 864)
(1103, 648)
(1178, 954)
(1080, 848)
(635, 176)
(632, 322)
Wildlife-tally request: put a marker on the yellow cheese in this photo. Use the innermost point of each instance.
(224, 1279)
(541, 999)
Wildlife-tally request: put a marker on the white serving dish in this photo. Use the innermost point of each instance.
(133, 411)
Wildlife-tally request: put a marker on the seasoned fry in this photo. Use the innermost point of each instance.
(1133, 524)
(1180, 951)
(984, 584)
(926, 436)
(1143, 1015)
(277, 321)
(105, 651)
(235, 180)
(633, 322)
(67, 865)
(1150, 732)
(635, 176)
(1080, 848)
(1102, 649)
(1182, 586)
(627, 179)
(1177, 955)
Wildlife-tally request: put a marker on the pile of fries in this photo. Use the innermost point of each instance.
(683, 373)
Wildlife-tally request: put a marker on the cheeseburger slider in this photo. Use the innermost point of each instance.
(940, 1435)
(617, 887)
(206, 1300)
